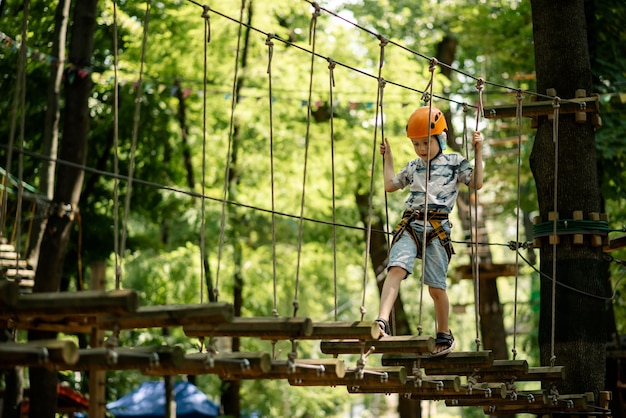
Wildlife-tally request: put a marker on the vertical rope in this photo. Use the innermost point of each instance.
(135, 134)
(116, 165)
(331, 68)
(476, 271)
(233, 102)
(207, 39)
(555, 137)
(427, 97)
(19, 99)
(518, 119)
(270, 52)
(379, 95)
(312, 32)
(473, 251)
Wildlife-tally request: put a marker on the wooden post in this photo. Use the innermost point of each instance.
(578, 238)
(581, 117)
(554, 216)
(97, 378)
(596, 240)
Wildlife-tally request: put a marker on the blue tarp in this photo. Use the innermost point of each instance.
(148, 401)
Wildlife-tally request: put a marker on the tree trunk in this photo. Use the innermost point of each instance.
(51, 127)
(578, 326)
(67, 190)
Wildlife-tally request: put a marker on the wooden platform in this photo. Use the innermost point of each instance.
(389, 344)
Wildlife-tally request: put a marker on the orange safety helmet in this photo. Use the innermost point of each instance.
(417, 127)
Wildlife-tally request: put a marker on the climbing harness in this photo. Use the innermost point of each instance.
(434, 218)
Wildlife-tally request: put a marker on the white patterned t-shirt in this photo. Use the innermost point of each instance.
(446, 172)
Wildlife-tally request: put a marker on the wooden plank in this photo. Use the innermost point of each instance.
(223, 364)
(486, 271)
(389, 344)
(169, 316)
(352, 377)
(86, 302)
(260, 327)
(544, 108)
(299, 369)
(458, 360)
(359, 330)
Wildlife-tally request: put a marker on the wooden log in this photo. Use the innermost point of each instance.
(352, 377)
(169, 316)
(430, 387)
(359, 330)
(102, 358)
(224, 364)
(86, 302)
(562, 403)
(299, 369)
(390, 344)
(543, 374)
(493, 403)
(58, 351)
(500, 370)
(9, 294)
(260, 327)
(12, 355)
(464, 361)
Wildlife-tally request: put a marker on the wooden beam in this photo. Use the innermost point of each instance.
(390, 344)
(85, 302)
(458, 360)
(119, 358)
(170, 316)
(224, 364)
(499, 370)
(562, 403)
(12, 355)
(430, 387)
(314, 369)
(544, 108)
(359, 330)
(53, 351)
(352, 377)
(260, 327)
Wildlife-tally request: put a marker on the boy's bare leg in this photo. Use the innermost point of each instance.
(442, 308)
(390, 290)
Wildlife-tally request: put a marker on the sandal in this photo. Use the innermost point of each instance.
(443, 340)
(384, 327)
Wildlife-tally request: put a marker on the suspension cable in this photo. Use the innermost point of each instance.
(518, 119)
(480, 83)
(555, 138)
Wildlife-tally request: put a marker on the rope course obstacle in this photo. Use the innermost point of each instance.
(460, 379)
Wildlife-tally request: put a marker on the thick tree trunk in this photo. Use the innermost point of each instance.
(578, 326)
(67, 190)
(51, 127)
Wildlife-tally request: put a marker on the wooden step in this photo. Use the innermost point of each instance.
(354, 377)
(385, 345)
(224, 364)
(359, 330)
(466, 361)
(299, 369)
(33, 353)
(268, 328)
(87, 302)
(499, 370)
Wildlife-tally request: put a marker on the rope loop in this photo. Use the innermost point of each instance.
(270, 45)
(383, 41)
(480, 83)
(433, 64)
(207, 22)
(331, 67)
(316, 13)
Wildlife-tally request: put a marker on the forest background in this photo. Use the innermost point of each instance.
(185, 142)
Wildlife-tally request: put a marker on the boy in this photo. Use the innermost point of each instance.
(445, 173)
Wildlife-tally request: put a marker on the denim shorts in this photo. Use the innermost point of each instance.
(404, 252)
